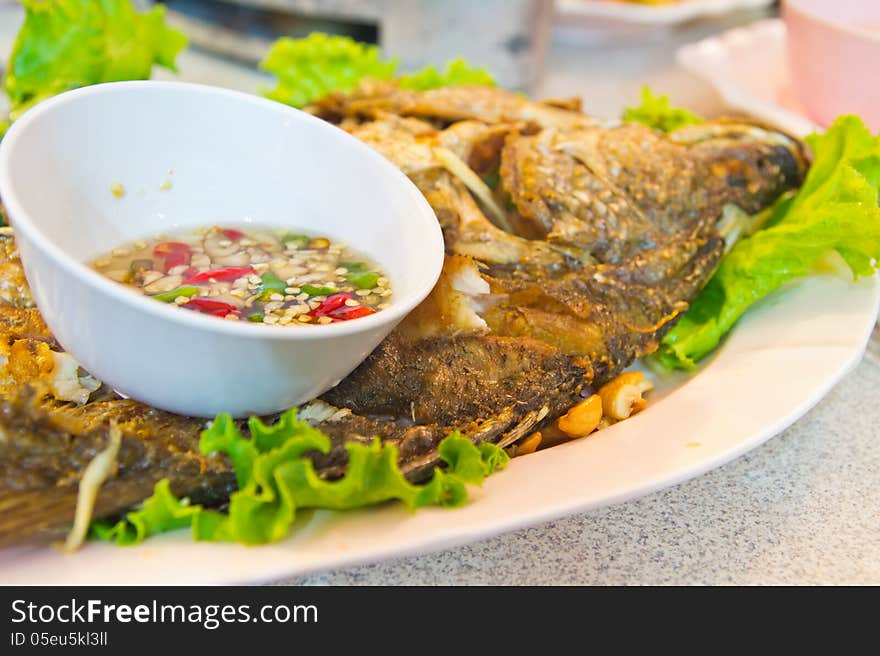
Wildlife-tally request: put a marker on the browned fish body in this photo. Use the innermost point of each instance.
(46, 446)
(591, 244)
(376, 99)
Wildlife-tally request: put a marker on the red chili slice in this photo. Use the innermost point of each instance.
(331, 303)
(210, 306)
(173, 253)
(223, 313)
(232, 234)
(226, 273)
(349, 313)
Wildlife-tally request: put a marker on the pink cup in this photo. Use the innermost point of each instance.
(834, 56)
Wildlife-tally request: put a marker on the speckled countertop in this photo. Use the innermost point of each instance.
(803, 508)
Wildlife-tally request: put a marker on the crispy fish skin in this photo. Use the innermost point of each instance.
(46, 445)
(14, 290)
(620, 190)
(375, 99)
(614, 226)
(490, 388)
(442, 379)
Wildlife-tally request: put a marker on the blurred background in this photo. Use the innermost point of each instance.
(602, 50)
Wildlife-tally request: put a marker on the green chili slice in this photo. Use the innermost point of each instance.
(168, 297)
(311, 290)
(297, 241)
(270, 284)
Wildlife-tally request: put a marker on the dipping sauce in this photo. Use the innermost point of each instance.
(261, 275)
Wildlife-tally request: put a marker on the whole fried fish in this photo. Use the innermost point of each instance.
(592, 240)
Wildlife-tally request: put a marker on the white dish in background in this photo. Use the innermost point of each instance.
(592, 12)
(783, 356)
(234, 158)
(748, 67)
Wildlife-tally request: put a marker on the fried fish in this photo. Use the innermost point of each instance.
(573, 245)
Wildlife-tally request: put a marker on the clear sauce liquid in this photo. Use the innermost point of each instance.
(255, 274)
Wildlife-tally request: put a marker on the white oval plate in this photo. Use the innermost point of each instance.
(634, 13)
(748, 67)
(784, 355)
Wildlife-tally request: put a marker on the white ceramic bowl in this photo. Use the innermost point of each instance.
(233, 158)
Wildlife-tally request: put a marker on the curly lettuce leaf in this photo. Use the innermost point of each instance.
(275, 478)
(65, 44)
(159, 513)
(310, 68)
(456, 72)
(657, 112)
(835, 210)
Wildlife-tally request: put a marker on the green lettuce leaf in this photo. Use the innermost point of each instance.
(656, 112)
(310, 68)
(835, 210)
(65, 44)
(457, 72)
(159, 513)
(275, 479)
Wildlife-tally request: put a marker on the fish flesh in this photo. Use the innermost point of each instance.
(572, 245)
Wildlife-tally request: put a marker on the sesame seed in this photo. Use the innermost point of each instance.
(102, 263)
(140, 244)
(120, 252)
(268, 318)
(341, 271)
(383, 306)
(302, 297)
(276, 297)
(225, 243)
(363, 292)
(304, 318)
(231, 317)
(181, 300)
(325, 320)
(386, 293)
(293, 290)
(382, 282)
(350, 302)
